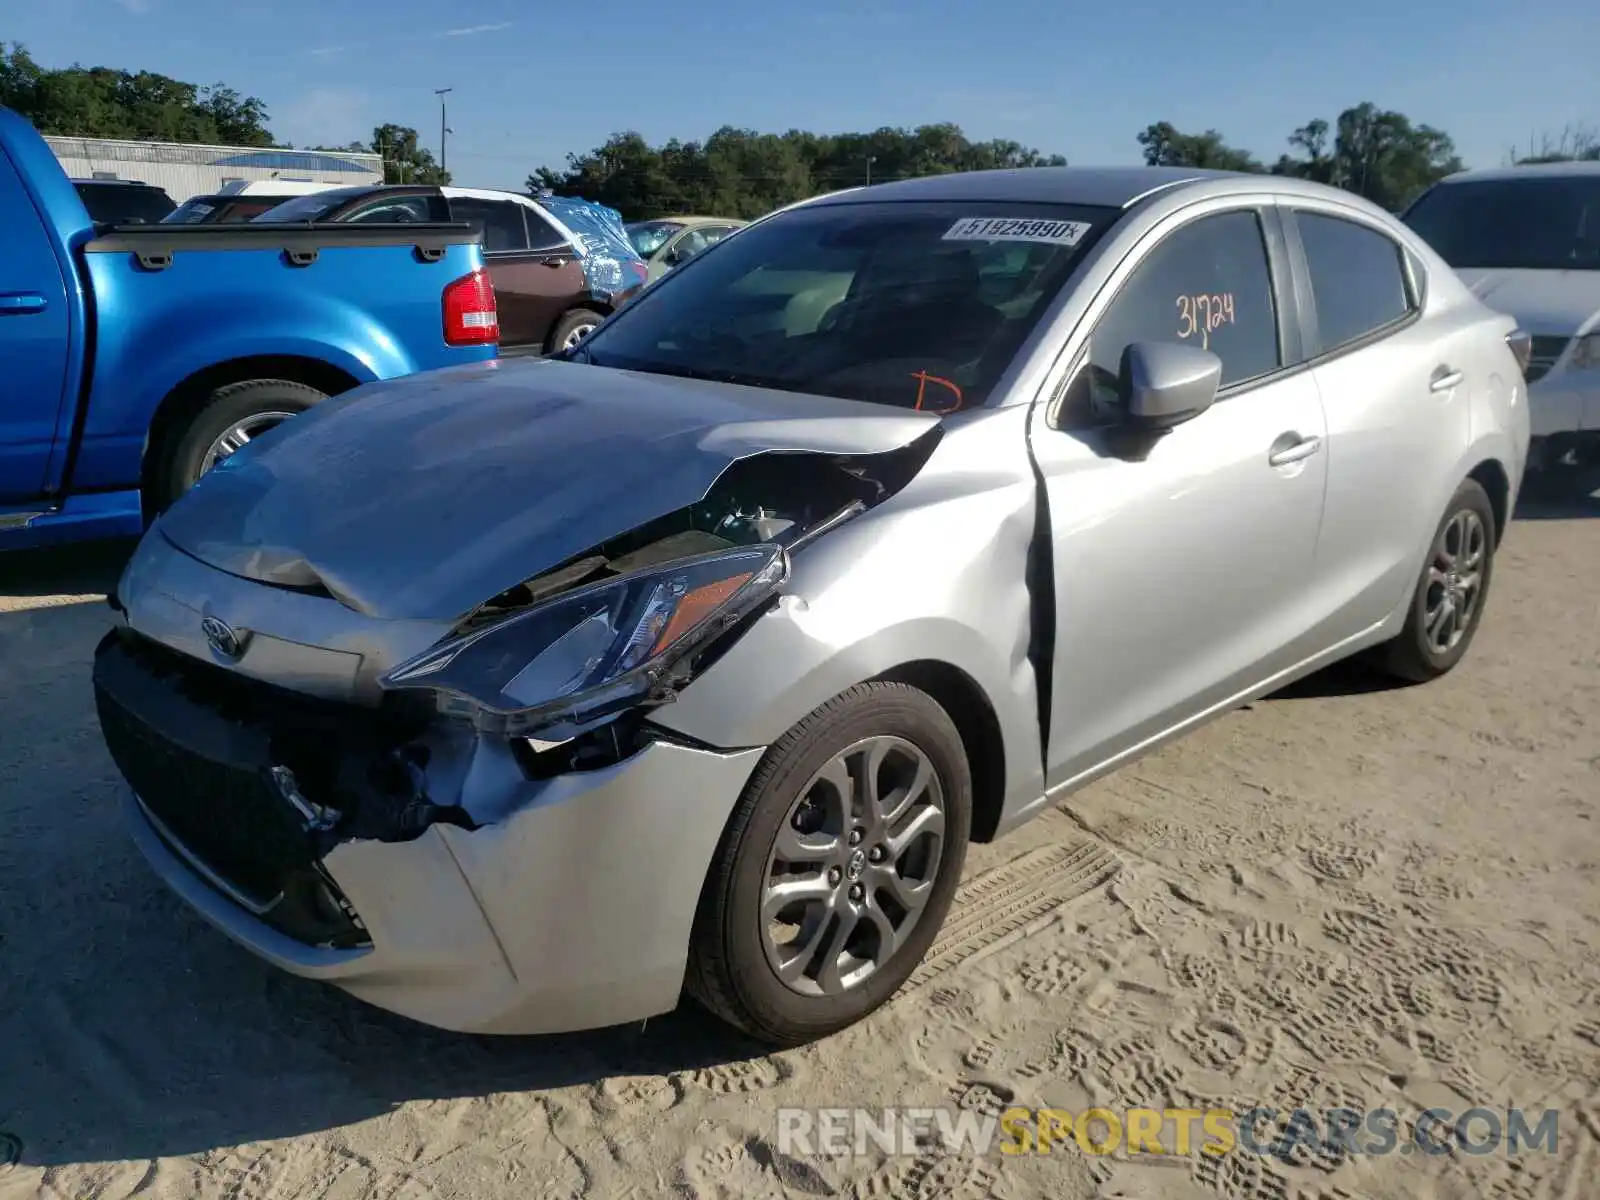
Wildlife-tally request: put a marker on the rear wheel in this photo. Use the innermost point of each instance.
(837, 868)
(573, 328)
(230, 417)
(1447, 604)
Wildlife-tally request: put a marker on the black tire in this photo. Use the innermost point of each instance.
(1413, 656)
(729, 971)
(188, 441)
(572, 320)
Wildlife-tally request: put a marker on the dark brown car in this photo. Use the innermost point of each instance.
(552, 283)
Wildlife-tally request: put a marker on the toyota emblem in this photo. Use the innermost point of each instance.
(222, 639)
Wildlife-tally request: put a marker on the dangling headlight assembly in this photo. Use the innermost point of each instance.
(587, 653)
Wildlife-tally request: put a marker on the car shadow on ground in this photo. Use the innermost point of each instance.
(130, 1029)
(92, 567)
(1544, 507)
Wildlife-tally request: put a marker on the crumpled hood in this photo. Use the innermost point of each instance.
(420, 498)
(1559, 303)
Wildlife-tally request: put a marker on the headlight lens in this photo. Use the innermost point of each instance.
(1586, 353)
(591, 652)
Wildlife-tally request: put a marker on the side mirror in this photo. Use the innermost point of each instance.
(1163, 384)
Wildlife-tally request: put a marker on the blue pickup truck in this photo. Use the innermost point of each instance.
(132, 358)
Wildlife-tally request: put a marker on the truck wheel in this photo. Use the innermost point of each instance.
(229, 418)
(573, 328)
(1450, 593)
(837, 867)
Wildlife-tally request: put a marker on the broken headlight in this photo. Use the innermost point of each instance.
(598, 649)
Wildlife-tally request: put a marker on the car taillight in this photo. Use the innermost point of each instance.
(1521, 343)
(471, 317)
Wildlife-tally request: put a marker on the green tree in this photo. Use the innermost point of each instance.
(1376, 153)
(405, 160)
(1166, 146)
(744, 173)
(105, 102)
(1318, 163)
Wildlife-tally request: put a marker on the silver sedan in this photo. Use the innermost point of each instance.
(525, 697)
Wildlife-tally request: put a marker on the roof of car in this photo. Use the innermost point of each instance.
(110, 183)
(1113, 187)
(1107, 187)
(692, 220)
(1590, 167)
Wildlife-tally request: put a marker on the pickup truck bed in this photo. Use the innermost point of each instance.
(129, 355)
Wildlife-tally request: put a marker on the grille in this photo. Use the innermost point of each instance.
(197, 745)
(1543, 356)
(222, 811)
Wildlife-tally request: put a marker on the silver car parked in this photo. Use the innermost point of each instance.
(525, 696)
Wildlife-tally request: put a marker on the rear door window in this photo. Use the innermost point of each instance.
(541, 234)
(500, 221)
(1358, 278)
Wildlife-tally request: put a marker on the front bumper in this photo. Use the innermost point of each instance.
(570, 909)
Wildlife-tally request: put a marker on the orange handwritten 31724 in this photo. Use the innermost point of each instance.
(1203, 314)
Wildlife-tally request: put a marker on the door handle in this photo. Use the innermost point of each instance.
(552, 262)
(1444, 378)
(16, 303)
(1294, 452)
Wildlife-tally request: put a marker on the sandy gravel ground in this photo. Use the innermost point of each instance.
(1342, 896)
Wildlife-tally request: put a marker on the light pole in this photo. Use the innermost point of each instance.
(441, 93)
(871, 158)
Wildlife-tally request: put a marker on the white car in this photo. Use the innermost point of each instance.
(526, 696)
(1527, 241)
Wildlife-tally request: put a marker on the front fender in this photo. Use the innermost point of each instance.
(933, 574)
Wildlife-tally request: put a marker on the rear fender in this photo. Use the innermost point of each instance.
(140, 362)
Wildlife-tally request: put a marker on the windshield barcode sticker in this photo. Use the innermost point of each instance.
(1012, 229)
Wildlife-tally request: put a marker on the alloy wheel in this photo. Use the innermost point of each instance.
(237, 435)
(852, 866)
(576, 335)
(1455, 581)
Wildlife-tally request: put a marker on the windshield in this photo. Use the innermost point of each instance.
(1550, 223)
(315, 207)
(920, 305)
(649, 236)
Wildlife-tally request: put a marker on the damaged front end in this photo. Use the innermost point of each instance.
(254, 785)
(629, 623)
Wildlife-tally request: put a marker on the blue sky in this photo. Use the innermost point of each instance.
(532, 83)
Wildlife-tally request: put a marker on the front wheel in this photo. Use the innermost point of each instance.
(837, 868)
(1447, 605)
